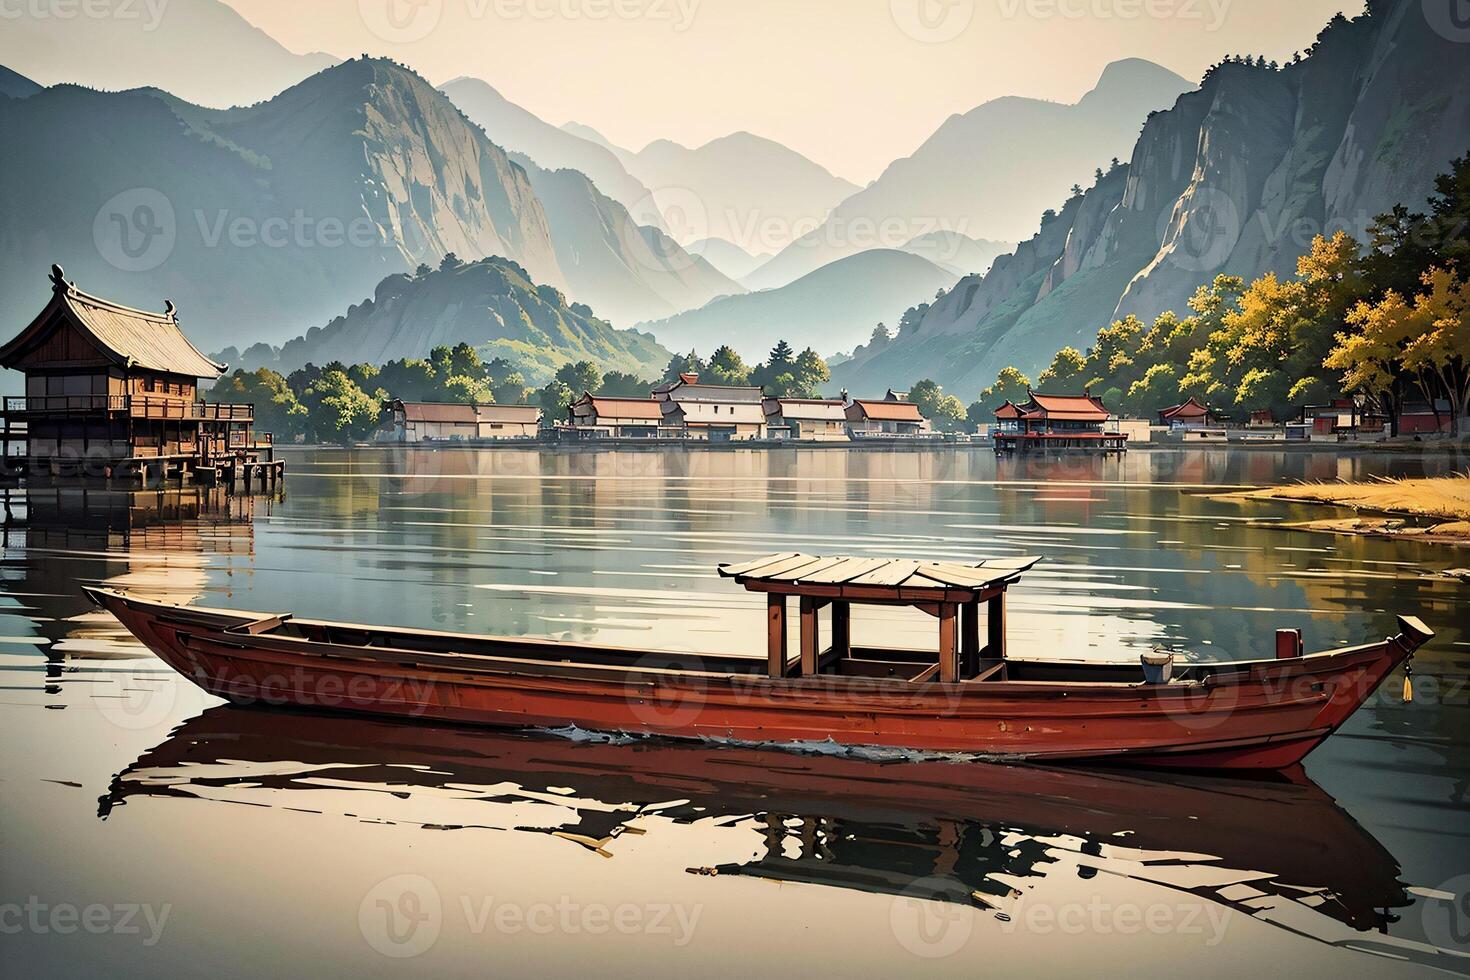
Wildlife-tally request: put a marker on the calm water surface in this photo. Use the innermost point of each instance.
(148, 828)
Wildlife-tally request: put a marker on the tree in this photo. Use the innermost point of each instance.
(1065, 371)
(683, 364)
(946, 412)
(511, 390)
(780, 357)
(276, 408)
(466, 390)
(450, 261)
(338, 410)
(410, 379)
(620, 384)
(881, 336)
(727, 367)
(811, 373)
(422, 271)
(579, 377)
(556, 400)
(1010, 386)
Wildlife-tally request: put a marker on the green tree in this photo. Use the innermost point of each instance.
(338, 410)
(581, 376)
(466, 390)
(727, 367)
(811, 373)
(511, 390)
(556, 400)
(277, 409)
(1010, 386)
(410, 379)
(1065, 372)
(683, 364)
(621, 384)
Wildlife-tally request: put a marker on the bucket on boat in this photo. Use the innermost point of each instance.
(1158, 666)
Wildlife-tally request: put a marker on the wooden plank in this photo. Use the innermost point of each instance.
(809, 665)
(1011, 564)
(743, 567)
(949, 663)
(926, 675)
(970, 635)
(776, 635)
(846, 570)
(764, 573)
(893, 572)
(802, 572)
(958, 576)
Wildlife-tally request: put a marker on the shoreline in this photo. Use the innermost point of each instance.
(1434, 510)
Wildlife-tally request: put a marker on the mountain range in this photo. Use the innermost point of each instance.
(988, 172)
(831, 309)
(264, 219)
(200, 50)
(493, 305)
(14, 85)
(1235, 178)
(743, 188)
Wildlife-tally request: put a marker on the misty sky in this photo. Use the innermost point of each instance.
(850, 83)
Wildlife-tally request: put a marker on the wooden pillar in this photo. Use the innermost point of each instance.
(996, 625)
(970, 637)
(808, 637)
(841, 628)
(949, 661)
(775, 635)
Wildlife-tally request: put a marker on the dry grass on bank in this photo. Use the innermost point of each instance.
(1446, 498)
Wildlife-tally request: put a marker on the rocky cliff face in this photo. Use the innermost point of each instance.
(492, 305)
(1236, 178)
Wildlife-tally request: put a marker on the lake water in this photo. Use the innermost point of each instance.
(148, 828)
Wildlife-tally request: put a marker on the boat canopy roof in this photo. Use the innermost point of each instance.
(899, 580)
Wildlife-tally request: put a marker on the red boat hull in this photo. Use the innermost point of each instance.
(1264, 715)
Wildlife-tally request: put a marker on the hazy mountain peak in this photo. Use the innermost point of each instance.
(14, 85)
(1134, 75)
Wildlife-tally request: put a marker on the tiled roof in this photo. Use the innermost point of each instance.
(626, 408)
(134, 338)
(807, 409)
(886, 411)
(1068, 408)
(440, 412)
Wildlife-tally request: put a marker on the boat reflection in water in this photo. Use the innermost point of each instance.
(1278, 849)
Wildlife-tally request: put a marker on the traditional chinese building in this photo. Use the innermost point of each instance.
(1190, 414)
(714, 412)
(112, 390)
(622, 418)
(1048, 422)
(892, 416)
(812, 419)
(457, 422)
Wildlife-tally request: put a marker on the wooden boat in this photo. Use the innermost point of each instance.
(964, 699)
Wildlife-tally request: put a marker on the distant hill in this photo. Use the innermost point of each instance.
(831, 309)
(261, 221)
(14, 85)
(743, 188)
(553, 148)
(1234, 179)
(958, 253)
(492, 305)
(989, 172)
(200, 50)
(728, 257)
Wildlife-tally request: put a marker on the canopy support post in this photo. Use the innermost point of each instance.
(809, 661)
(996, 625)
(949, 666)
(970, 638)
(775, 635)
(841, 629)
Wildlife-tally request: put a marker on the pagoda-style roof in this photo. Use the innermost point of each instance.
(1190, 408)
(623, 408)
(131, 338)
(1066, 408)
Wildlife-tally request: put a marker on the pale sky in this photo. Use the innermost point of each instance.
(852, 84)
